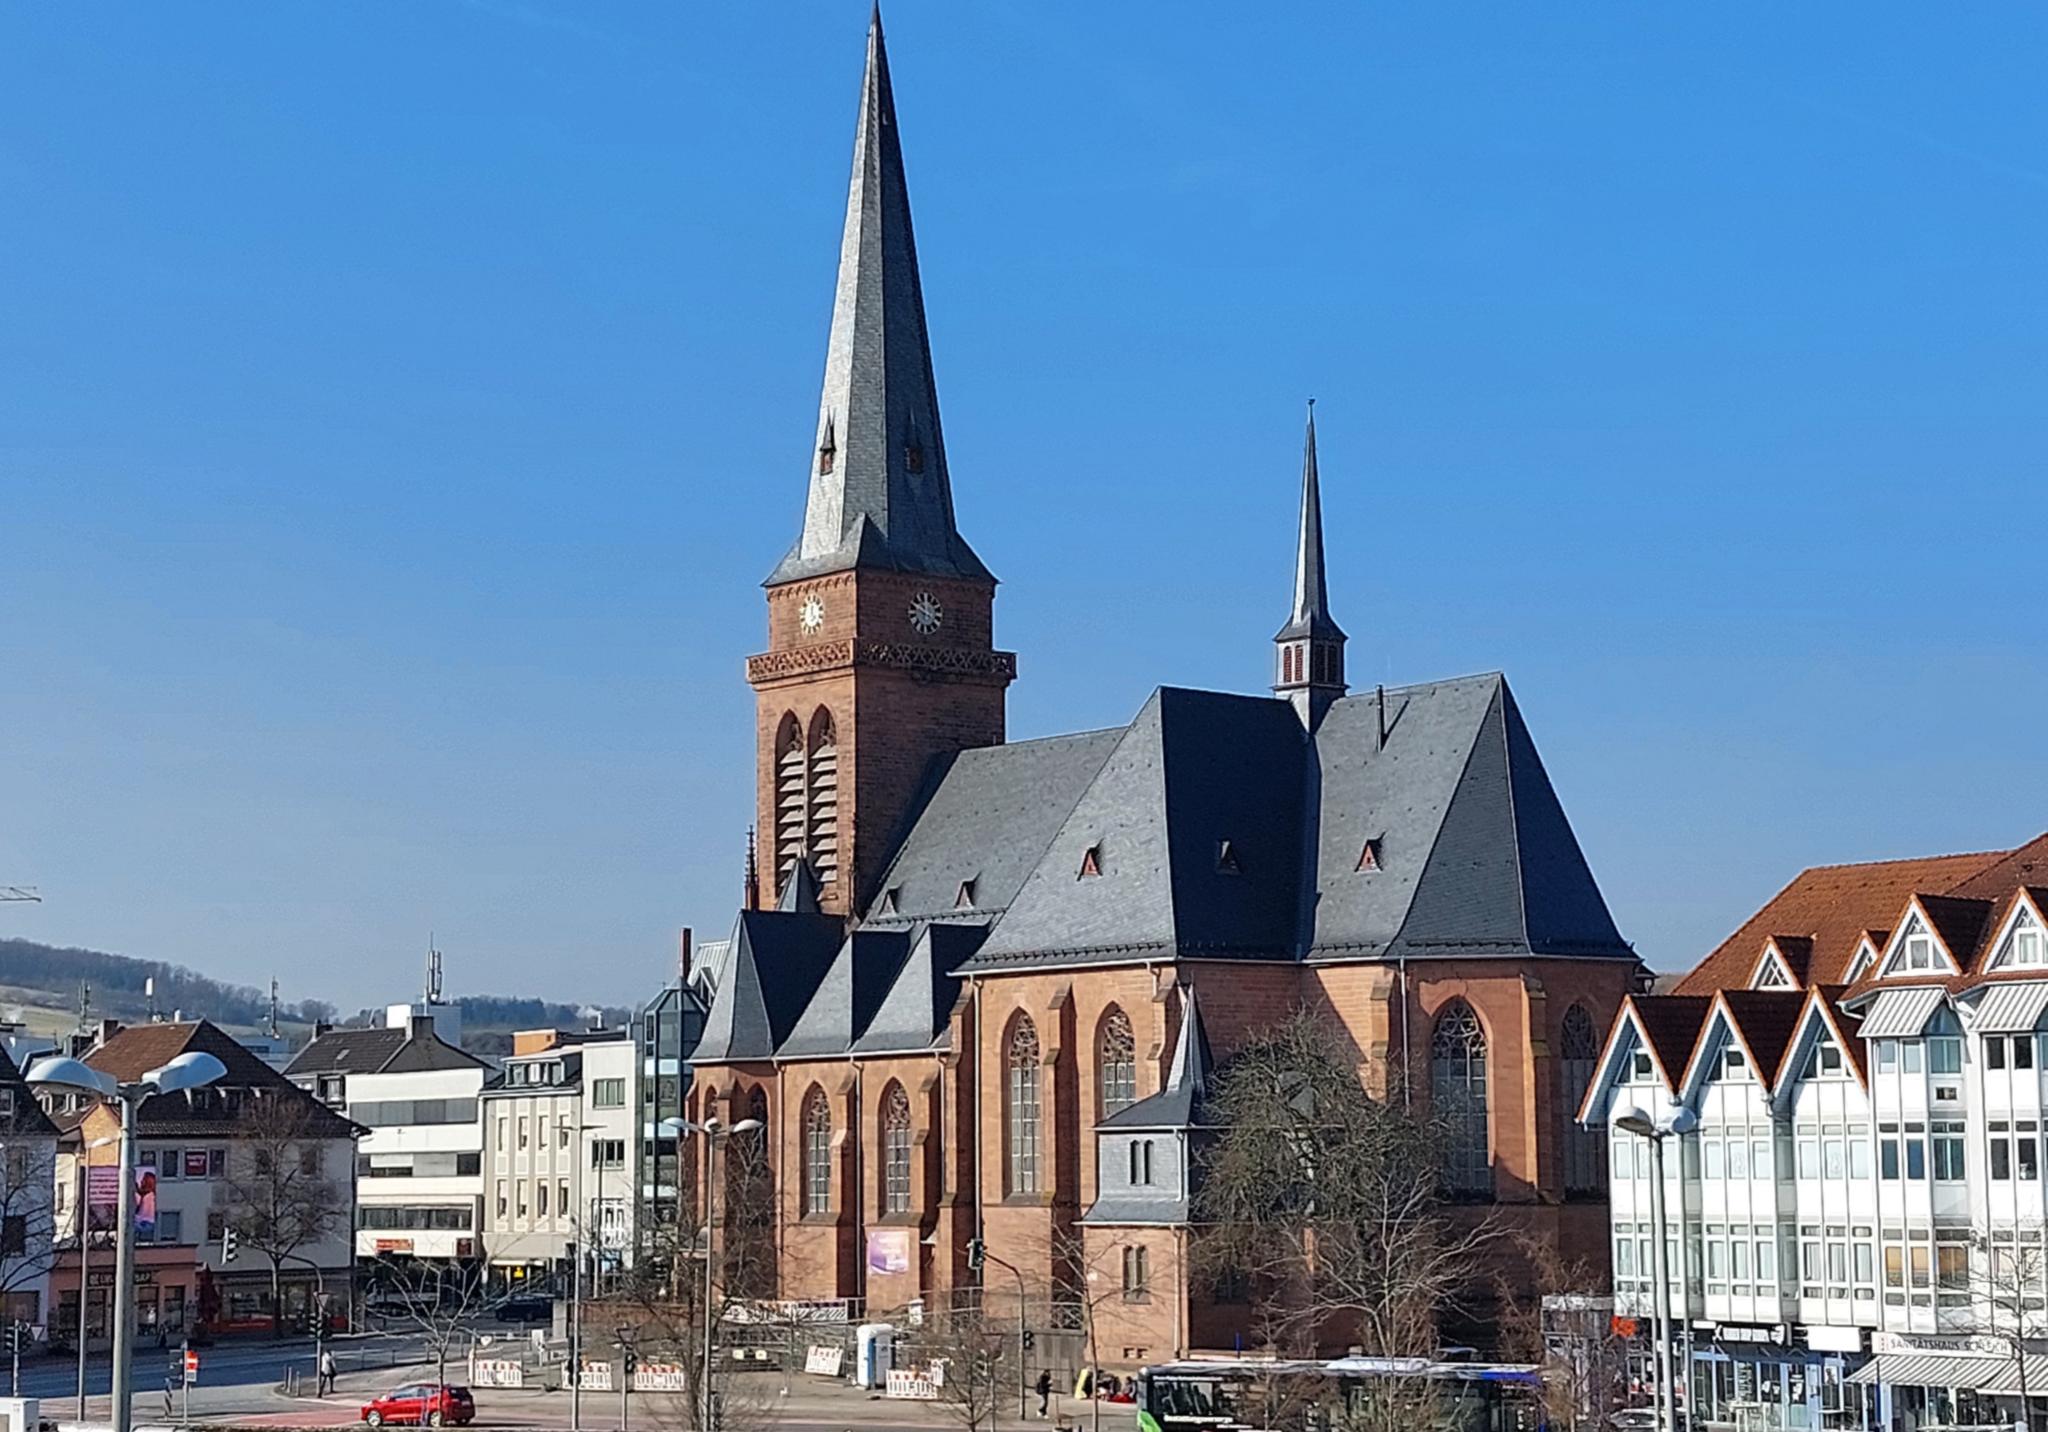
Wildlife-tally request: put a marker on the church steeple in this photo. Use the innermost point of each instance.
(880, 495)
(1309, 649)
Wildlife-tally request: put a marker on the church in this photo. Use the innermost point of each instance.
(979, 986)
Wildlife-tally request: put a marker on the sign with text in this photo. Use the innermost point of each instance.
(102, 1196)
(888, 1250)
(911, 1384)
(824, 1361)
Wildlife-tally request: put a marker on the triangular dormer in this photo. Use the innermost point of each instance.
(1771, 971)
(1819, 1051)
(1720, 1056)
(1865, 959)
(1916, 950)
(2022, 942)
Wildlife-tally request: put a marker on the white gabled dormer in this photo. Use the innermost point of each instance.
(1865, 959)
(1772, 970)
(1720, 1057)
(2022, 942)
(1916, 949)
(1629, 1074)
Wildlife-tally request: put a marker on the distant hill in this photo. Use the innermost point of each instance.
(44, 980)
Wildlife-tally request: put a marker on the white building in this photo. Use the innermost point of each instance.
(558, 1130)
(1860, 1223)
(420, 1185)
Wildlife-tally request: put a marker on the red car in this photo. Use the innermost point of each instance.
(422, 1402)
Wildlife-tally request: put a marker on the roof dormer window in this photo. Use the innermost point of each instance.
(1369, 856)
(1640, 1070)
(2027, 943)
(891, 899)
(963, 899)
(1919, 952)
(1226, 859)
(1091, 862)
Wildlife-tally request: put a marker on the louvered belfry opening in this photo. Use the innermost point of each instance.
(821, 798)
(807, 798)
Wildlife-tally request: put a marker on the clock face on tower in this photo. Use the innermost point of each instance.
(926, 613)
(811, 615)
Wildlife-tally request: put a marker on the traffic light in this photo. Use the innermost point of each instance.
(17, 1338)
(632, 1362)
(230, 1245)
(977, 1254)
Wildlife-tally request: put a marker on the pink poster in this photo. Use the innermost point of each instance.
(102, 1196)
(888, 1250)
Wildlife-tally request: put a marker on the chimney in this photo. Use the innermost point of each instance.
(683, 959)
(421, 1026)
(320, 1027)
(108, 1029)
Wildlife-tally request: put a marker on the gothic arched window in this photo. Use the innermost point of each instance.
(1116, 1063)
(1457, 1081)
(817, 1152)
(1584, 1150)
(1021, 1104)
(821, 797)
(788, 834)
(895, 1150)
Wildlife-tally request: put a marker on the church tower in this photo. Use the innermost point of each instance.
(881, 642)
(1309, 650)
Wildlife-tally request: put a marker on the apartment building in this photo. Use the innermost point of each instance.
(204, 1156)
(420, 1188)
(28, 1215)
(1857, 1231)
(558, 1130)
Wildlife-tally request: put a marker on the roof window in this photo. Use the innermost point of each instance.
(1226, 859)
(1369, 857)
(964, 899)
(1091, 862)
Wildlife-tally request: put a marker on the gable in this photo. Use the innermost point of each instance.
(2022, 941)
(1770, 971)
(1916, 949)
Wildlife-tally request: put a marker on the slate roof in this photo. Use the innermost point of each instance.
(913, 1016)
(1179, 1104)
(986, 815)
(377, 1051)
(23, 1117)
(777, 961)
(214, 1109)
(848, 996)
(884, 499)
(1473, 855)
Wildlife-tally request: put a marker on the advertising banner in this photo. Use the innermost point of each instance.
(102, 1196)
(888, 1250)
(145, 1205)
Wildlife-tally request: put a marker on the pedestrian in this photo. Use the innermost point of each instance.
(326, 1371)
(1044, 1391)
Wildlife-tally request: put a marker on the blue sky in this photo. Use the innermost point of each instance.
(404, 402)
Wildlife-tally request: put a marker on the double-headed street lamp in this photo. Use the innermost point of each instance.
(712, 1131)
(188, 1071)
(1676, 1122)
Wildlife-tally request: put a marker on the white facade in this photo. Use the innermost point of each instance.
(28, 1213)
(558, 1133)
(421, 1185)
(1861, 1224)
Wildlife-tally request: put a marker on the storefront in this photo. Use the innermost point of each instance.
(166, 1294)
(1932, 1381)
(1760, 1376)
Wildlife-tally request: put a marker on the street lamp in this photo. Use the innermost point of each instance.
(1678, 1121)
(712, 1131)
(85, 1255)
(188, 1071)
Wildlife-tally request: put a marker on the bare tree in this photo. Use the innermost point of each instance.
(441, 1299)
(1326, 1202)
(970, 1352)
(276, 1194)
(2008, 1282)
(1558, 1314)
(28, 1225)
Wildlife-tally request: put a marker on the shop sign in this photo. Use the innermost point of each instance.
(104, 1278)
(1881, 1342)
(1749, 1333)
(1827, 1339)
(394, 1245)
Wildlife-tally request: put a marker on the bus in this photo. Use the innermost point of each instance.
(1231, 1394)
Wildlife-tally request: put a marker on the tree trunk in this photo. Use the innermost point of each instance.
(276, 1297)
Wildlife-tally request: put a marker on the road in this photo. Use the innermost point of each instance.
(233, 1377)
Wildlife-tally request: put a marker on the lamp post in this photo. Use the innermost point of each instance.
(712, 1130)
(188, 1071)
(1678, 1121)
(85, 1256)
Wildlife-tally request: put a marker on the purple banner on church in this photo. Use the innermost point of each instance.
(888, 1250)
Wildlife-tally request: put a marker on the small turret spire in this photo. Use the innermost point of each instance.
(1310, 647)
(879, 495)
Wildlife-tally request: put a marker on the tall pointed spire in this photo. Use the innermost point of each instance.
(1310, 657)
(880, 495)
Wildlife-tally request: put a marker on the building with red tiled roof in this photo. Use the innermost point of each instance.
(1865, 1060)
(204, 1153)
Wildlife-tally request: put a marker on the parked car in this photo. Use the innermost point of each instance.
(424, 1403)
(525, 1310)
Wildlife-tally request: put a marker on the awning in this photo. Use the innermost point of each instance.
(1938, 1369)
(1900, 1013)
(2012, 1008)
